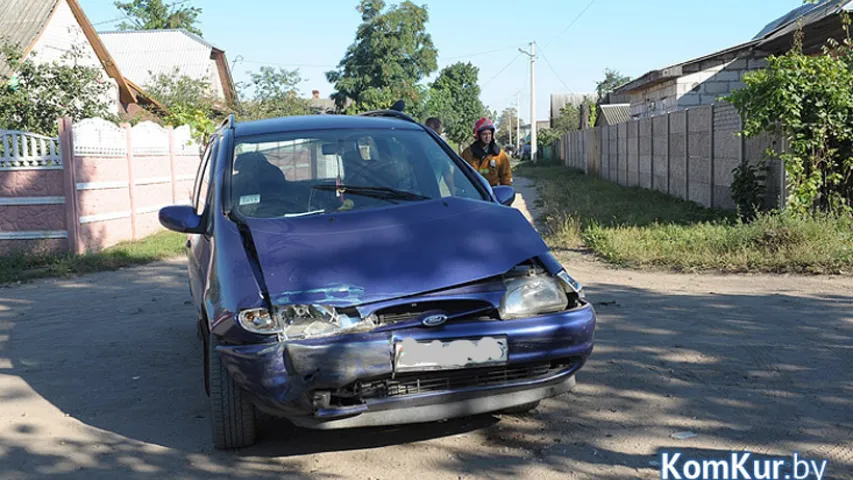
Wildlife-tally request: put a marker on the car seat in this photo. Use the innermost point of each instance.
(256, 176)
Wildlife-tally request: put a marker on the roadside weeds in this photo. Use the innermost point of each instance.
(160, 246)
(639, 228)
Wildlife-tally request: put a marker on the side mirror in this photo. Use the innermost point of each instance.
(181, 218)
(505, 194)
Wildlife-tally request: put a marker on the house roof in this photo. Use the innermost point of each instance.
(771, 38)
(613, 114)
(809, 12)
(144, 54)
(680, 69)
(322, 104)
(23, 21)
(820, 23)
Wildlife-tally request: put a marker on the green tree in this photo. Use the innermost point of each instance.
(37, 94)
(588, 105)
(187, 101)
(808, 100)
(272, 93)
(156, 14)
(175, 88)
(507, 120)
(547, 137)
(392, 52)
(568, 120)
(455, 98)
(612, 80)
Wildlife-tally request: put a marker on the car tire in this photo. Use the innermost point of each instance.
(232, 414)
(205, 370)
(523, 408)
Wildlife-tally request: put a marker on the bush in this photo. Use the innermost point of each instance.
(748, 188)
(38, 94)
(809, 101)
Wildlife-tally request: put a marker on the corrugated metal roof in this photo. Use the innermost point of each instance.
(809, 14)
(186, 32)
(144, 54)
(21, 23)
(613, 114)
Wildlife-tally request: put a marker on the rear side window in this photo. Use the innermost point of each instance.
(202, 183)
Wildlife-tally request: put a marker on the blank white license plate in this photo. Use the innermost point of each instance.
(411, 355)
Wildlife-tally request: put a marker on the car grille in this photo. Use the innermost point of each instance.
(405, 312)
(424, 382)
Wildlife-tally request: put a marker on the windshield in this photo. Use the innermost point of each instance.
(317, 172)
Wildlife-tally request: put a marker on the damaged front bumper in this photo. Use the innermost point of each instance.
(350, 380)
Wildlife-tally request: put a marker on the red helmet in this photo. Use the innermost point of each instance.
(483, 124)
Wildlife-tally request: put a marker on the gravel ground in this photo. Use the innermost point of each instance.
(100, 377)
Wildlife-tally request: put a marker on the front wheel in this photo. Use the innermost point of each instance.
(232, 415)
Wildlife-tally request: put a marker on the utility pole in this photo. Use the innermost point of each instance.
(517, 123)
(532, 55)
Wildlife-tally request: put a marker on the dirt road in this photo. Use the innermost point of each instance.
(100, 377)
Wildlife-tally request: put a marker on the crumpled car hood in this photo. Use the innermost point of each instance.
(359, 257)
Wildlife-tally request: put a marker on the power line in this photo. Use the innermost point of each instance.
(482, 53)
(510, 96)
(128, 16)
(570, 24)
(524, 94)
(502, 70)
(548, 62)
(308, 65)
(110, 21)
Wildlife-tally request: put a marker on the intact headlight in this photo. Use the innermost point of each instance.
(532, 295)
(297, 321)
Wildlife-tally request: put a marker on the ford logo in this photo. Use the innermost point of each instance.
(434, 320)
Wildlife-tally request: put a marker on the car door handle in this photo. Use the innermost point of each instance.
(188, 243)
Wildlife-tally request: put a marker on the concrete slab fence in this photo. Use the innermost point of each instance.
(688, 154)
(93, 186)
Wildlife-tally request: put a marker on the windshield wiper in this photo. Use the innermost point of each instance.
(385, 193)
(304, 214)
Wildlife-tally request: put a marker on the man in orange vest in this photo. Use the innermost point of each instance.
(486, 156)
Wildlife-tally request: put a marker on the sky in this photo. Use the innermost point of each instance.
(575, 39)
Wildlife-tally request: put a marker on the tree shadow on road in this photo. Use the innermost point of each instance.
(765, 373)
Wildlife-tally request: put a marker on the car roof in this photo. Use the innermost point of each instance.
(319, 122)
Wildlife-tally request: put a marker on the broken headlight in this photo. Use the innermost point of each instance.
(300, 321)
(259, 320)
(297, 321)
(571, 284)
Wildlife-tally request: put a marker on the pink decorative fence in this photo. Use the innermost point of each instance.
(95, 185)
